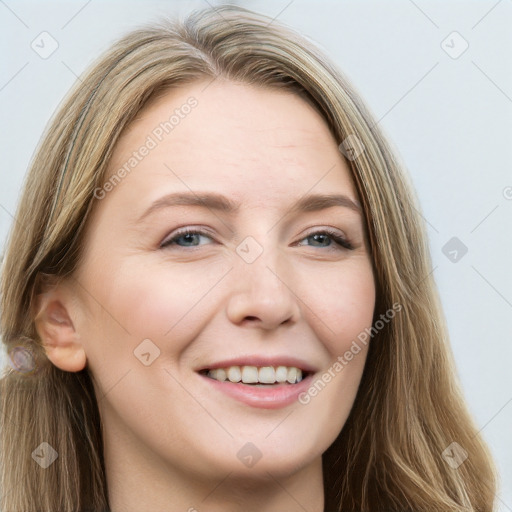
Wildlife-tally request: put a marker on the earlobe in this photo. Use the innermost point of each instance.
(56, 330)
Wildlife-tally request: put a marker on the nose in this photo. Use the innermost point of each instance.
(262, 294)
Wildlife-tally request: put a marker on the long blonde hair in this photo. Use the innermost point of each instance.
(409, 407)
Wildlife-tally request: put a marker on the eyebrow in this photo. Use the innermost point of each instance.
(220, 203)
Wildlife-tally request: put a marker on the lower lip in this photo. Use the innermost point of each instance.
(274, 396)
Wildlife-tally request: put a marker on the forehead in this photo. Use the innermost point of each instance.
(255, 144)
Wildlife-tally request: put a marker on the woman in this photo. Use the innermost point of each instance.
(296, 358)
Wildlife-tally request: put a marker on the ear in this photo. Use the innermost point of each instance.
(57, 332)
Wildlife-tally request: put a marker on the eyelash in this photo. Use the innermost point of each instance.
(343, 243)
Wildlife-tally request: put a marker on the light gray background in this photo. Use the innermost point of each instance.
(450, 120)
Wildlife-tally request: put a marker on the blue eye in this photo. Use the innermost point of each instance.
(190, 237)
(187, 235)
(327, 234)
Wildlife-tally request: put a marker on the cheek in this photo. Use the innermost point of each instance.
(344, 305)
(162, 303)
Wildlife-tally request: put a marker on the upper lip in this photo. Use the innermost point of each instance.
(256, 360)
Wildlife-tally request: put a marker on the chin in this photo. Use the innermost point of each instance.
(266, 459)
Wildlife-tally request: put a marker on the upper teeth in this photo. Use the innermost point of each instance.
(254, 374)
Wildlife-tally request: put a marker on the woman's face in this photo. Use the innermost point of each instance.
(257, 283)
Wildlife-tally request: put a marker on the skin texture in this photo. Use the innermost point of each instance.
(171, 440)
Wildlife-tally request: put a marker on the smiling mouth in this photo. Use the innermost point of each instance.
(259, 376)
